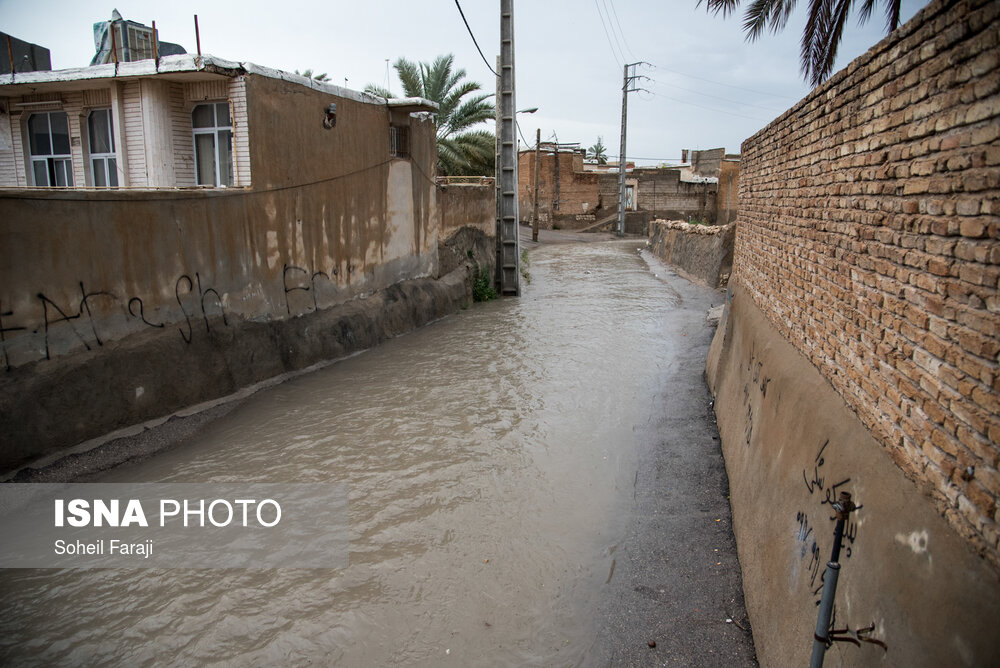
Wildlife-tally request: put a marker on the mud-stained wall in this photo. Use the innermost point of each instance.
(468, 227)
(791, 445)
(467, 205)
(331, 216)
(703, 253)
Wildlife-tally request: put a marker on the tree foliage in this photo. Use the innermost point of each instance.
(308, 74)
(598, 152)
(461, 150)
(823, 31)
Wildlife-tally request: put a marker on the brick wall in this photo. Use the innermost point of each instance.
(869, 235)
(564, 192)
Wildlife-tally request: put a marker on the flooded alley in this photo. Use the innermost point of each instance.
(533, 481)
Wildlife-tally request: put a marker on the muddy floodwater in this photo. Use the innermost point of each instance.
(490, 459)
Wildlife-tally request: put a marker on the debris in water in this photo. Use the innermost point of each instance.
(652, 643)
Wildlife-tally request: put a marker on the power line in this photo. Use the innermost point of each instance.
(718, 111)
(612, 46)
(716, 97)
(613, 33)
(620, 31)
(474, 39)
(719, 83)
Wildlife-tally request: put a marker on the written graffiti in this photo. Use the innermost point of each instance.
(758, 383)
(193, 298)
(817, 483)
(298, 279)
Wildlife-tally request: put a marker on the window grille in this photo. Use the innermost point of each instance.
(399, 141)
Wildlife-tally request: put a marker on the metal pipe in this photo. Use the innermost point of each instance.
(821, 638)
(197, 38)
(156, 50)
(10, 56)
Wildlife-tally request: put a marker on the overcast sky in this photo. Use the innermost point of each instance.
(707, 86)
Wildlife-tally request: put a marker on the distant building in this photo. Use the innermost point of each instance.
(575, 194)
(28, 57)
(132, 41)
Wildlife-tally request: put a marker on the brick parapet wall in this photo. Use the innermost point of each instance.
(870, 236)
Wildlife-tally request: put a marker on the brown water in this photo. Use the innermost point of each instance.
(490, 459)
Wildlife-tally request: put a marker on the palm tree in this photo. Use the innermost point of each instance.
(598, 152)
(461, 151)
(308, 74)
(823, 30)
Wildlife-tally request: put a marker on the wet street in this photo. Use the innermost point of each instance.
(533, 481)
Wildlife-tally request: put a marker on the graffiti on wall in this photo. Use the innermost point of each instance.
(755, 387)
(75, 318)
(818, 545)
(195, 298)
(296, 280)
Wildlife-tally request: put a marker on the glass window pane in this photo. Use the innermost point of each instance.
(60, 133)
(38, 133)
(226, 156)
(58, 173)
(222, 113)
(204, 150)
(203, 116)
(100, 173)
(112, 172)
(41, 172)
(100, 135)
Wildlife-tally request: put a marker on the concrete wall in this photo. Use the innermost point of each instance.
(702, 253)
(869, 242)
(183, 275)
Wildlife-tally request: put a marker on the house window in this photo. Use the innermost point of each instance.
(48, 136)
(103, 160)
(399, 141)
(213, 144)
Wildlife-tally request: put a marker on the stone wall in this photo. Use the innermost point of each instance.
(703, 253)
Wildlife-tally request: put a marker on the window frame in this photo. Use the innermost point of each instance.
(108, 160)
(54, 163)
(215, 131)
(399, 141)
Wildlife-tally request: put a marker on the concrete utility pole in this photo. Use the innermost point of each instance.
(507, 240)
(628, 86)
(534, 201)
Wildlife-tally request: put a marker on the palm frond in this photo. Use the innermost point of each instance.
(378, 90)
(892, 15)
(409, 77)
(824, 28)
(725, 7)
